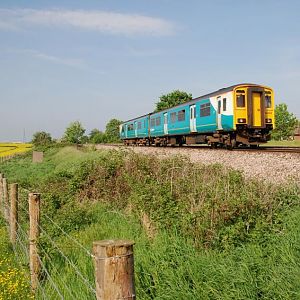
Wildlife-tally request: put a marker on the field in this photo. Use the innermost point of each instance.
(7, 149)
(201, 231)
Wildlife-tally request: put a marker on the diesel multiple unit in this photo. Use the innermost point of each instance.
(241, 114)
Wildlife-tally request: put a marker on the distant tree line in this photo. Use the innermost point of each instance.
(75, 134)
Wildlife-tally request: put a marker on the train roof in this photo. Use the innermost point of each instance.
(222, 90)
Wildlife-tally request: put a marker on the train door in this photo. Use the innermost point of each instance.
(193, 127)
(126, 130)
(135, 128)
(219, 115)
(256, 106)
(165, 123)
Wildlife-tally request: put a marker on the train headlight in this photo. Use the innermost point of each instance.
(241, 120)
(268, 120)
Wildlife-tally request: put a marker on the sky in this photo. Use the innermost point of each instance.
(91, 61)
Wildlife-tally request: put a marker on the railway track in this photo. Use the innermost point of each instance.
(262, 149)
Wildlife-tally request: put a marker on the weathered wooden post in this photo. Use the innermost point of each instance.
(114, 269)
(34, 233)
(1, 193)
(5, 199)
(13, 212)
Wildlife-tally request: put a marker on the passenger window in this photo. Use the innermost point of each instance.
(205, 110)
(130, 127)
(173, 117)
(158, 121)
(268, 101)
(240, 100)
(224, 104)
(139, 125)
(152, 122)
(181, 115)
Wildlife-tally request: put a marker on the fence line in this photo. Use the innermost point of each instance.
(53, 282)
(69, 261)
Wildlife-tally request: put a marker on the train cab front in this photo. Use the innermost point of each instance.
(253, 114)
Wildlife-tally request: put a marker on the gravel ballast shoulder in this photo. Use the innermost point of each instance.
(273, 167)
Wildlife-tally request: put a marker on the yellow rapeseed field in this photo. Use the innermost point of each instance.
(7, 149)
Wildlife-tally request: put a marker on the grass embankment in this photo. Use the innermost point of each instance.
(295, 143)
(7, 149)
(14, 280)
(201, 232)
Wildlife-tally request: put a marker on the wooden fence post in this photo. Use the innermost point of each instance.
(1, 194)
(114, 269)
(34, 233)
(5, 199)
(13, 212)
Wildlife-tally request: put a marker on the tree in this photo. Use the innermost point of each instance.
(74, 133)
(112, 130)
(41, 138)
(174, 98)
(285, 122)
(96, 136)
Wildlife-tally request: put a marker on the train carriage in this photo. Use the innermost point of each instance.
(241, 114)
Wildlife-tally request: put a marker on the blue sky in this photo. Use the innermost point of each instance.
(91, 61)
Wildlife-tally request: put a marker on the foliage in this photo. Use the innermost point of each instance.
(74, 133)
(13, 280)
(112, 130)
(97, 137)
(41, 138)
(216, 234)
(174, 98)
(285, 123)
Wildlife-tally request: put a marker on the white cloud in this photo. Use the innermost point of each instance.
(70, 62)
(102, 21)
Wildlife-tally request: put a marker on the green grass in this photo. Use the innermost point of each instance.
(210, 233)
(14, 279)
(295, 143)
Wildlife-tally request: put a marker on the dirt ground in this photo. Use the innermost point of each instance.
(273, 167)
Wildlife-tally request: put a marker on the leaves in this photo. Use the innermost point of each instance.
(285, 122)
(74, 133)
(174, 98)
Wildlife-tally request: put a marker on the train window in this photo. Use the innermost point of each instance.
(240, 100)
(224, 104)
(158, 121)
(152, 122)
(268, 101)
(144, 123)
(130, 127)
(139, 125)
(205, 110)
(173, 117)
(181, 115)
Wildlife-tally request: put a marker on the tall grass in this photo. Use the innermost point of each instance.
(201, 232)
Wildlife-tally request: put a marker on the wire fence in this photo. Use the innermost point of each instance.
(64, 273)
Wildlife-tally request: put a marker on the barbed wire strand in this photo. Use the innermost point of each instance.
(50, 278)
(56, 272)
(69, 236)
(42, 289)
(69, 261)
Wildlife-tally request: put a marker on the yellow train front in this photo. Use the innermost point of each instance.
(253, 113)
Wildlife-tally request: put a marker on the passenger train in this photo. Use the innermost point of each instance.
(242, 114)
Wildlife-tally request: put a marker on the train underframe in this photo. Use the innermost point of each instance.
(242, 137)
